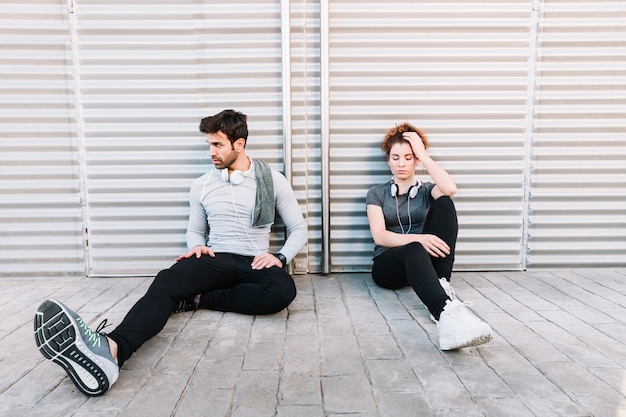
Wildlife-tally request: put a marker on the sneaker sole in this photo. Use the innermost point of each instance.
(59, 341)
(448, 344)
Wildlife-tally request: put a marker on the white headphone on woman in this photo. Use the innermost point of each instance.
(412, 190)
(236, 177)
(412, 193)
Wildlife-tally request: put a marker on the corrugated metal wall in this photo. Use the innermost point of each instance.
(303, 23)
(578, 193)
(149, 73)
(40, 204)
(523, 101)
(459, 70)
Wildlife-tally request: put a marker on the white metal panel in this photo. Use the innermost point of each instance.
(304, 20)
(41, 231)
(458, 70)
(461, 70)
(150, 71)
(578, 205)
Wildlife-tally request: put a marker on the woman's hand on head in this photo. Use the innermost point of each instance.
(416, 143)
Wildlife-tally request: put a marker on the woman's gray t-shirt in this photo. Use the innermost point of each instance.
(400, 207)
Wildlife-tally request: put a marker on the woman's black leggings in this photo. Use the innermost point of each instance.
(227, 283)
(412, 265)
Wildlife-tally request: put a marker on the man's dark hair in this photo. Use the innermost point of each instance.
(234, 124)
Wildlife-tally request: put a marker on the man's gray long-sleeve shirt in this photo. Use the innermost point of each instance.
(220, 215)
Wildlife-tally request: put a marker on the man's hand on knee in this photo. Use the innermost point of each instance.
(266, 260)
(197, 251)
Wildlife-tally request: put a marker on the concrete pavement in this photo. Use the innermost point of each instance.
(343, 348)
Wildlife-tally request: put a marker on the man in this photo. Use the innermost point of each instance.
(231, 212)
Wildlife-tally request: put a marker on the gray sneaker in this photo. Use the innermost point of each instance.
(186, 304)
(64, 338)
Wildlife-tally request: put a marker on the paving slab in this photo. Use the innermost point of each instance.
(344, 347)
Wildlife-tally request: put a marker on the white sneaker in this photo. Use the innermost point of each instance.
(447, 288)
(449, 292)
(459, 327)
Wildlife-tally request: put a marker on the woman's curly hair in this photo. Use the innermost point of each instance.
(394, 135)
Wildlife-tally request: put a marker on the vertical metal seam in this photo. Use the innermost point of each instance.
(325, 133)
(306, 122)
(80, 134)
(286, 86)
(285, 19)
(529, 128)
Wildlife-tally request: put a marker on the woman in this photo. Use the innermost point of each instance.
(414, 226)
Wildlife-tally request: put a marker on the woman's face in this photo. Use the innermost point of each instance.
(402, 161)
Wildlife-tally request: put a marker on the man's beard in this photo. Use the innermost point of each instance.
(225, 163)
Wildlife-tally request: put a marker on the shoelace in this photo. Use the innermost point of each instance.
(460, 311)
(103, 324)
(95, 337)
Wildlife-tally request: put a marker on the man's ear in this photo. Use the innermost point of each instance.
(239, 144)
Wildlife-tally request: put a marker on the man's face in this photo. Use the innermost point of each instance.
(221, 150)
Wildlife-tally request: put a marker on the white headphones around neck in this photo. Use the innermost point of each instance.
(412, 190)
(236, 177)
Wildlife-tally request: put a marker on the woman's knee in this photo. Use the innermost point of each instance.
(415, 252)
(443, 203)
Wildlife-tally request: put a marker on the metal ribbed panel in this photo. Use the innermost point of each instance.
(304, 20)
(459, 70)
(40, 211)
(149, 74)
(578, 205)
(539, 156)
